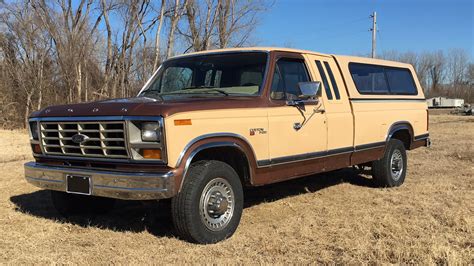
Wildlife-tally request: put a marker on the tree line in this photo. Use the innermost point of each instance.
(63, 51)
(441, 73)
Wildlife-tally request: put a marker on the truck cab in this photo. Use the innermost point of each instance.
(208, 124)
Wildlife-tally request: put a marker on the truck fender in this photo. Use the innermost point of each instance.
(209, 141)
(400, 125)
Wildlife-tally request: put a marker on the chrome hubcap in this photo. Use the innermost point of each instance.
(216, 205)
(396, 163)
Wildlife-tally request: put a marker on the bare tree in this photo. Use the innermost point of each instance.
(437, 62)
(158, 33)
(72, 35)
(237, 20)
(26, 53)
(220, 23)
(457, 66)
(109, 63)
(175, 16)
(471, 74)
(57, 51)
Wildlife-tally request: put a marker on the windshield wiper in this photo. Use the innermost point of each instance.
(153, 93)
(200, 89)
(207, 89)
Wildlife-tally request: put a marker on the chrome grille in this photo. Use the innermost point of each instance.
(104, 139)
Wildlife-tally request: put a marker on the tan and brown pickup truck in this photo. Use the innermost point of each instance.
(207, 124)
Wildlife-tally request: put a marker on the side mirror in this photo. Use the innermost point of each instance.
(310, 91)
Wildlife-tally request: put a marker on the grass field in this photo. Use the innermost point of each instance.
(335, 217)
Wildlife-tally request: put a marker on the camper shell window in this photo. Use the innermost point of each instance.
(382, 80)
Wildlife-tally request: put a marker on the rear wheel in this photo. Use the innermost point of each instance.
(390, 170)
(209, 206)
(74, 204)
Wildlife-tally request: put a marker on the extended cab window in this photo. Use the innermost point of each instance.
(288, 72)
(376, 79)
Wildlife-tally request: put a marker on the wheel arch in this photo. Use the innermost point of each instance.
(403, 131)
(226, 147)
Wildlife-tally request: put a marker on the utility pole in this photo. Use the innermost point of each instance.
(374, 32)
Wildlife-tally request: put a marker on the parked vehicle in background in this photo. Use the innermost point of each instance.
(443, 102)
(209, 123)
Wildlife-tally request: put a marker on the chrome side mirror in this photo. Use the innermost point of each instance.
(309, 90)
(310, 93)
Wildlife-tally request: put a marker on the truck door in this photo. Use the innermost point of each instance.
(294, 134)
(339, 115)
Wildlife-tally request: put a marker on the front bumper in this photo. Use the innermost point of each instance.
(111, 184)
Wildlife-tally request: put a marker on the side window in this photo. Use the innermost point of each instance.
(213, 78)
(176, 78)
(400, 81)
(369, 79)
(250, 79)
(333, 81)
(288, 72)
(325, 80)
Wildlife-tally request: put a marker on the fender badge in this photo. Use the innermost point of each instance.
(254, 131)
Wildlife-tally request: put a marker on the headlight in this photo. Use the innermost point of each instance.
(147, 138)
(150, 131)
(34, 130)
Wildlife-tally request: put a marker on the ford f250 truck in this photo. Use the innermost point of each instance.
(207, 124)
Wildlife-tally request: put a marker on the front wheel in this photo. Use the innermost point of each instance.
(390, 170)
(209, 206)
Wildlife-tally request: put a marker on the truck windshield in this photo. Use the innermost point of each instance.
(239, 74)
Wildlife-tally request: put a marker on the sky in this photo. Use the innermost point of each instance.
(342, 27)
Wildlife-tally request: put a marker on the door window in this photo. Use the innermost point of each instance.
(288, 72)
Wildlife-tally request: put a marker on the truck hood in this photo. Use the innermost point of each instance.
(142, 106)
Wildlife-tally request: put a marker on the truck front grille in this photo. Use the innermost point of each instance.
(100, 139)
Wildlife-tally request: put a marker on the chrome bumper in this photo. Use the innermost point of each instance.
(119, 185)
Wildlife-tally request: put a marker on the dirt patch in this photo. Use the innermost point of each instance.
(336, 217)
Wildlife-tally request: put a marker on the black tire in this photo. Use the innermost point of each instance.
(74, 204)
(190, 218)
(387, 172)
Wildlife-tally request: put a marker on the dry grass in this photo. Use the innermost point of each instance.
(335, 217)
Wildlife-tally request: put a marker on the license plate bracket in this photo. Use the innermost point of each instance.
(78, 184)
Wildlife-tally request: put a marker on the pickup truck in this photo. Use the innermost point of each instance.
(207, 124)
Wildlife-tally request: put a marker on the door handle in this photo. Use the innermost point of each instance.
(322, 111)
(297, 126)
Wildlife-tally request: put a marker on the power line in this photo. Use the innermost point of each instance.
(331, 27)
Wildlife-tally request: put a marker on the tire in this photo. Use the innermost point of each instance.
(74, 204)
(391, 169)
(209, 206)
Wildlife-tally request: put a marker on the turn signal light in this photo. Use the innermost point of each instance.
(36, 148)
(151, 154)
(182, 122)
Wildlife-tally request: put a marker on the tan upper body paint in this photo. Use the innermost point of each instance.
(345, 122)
